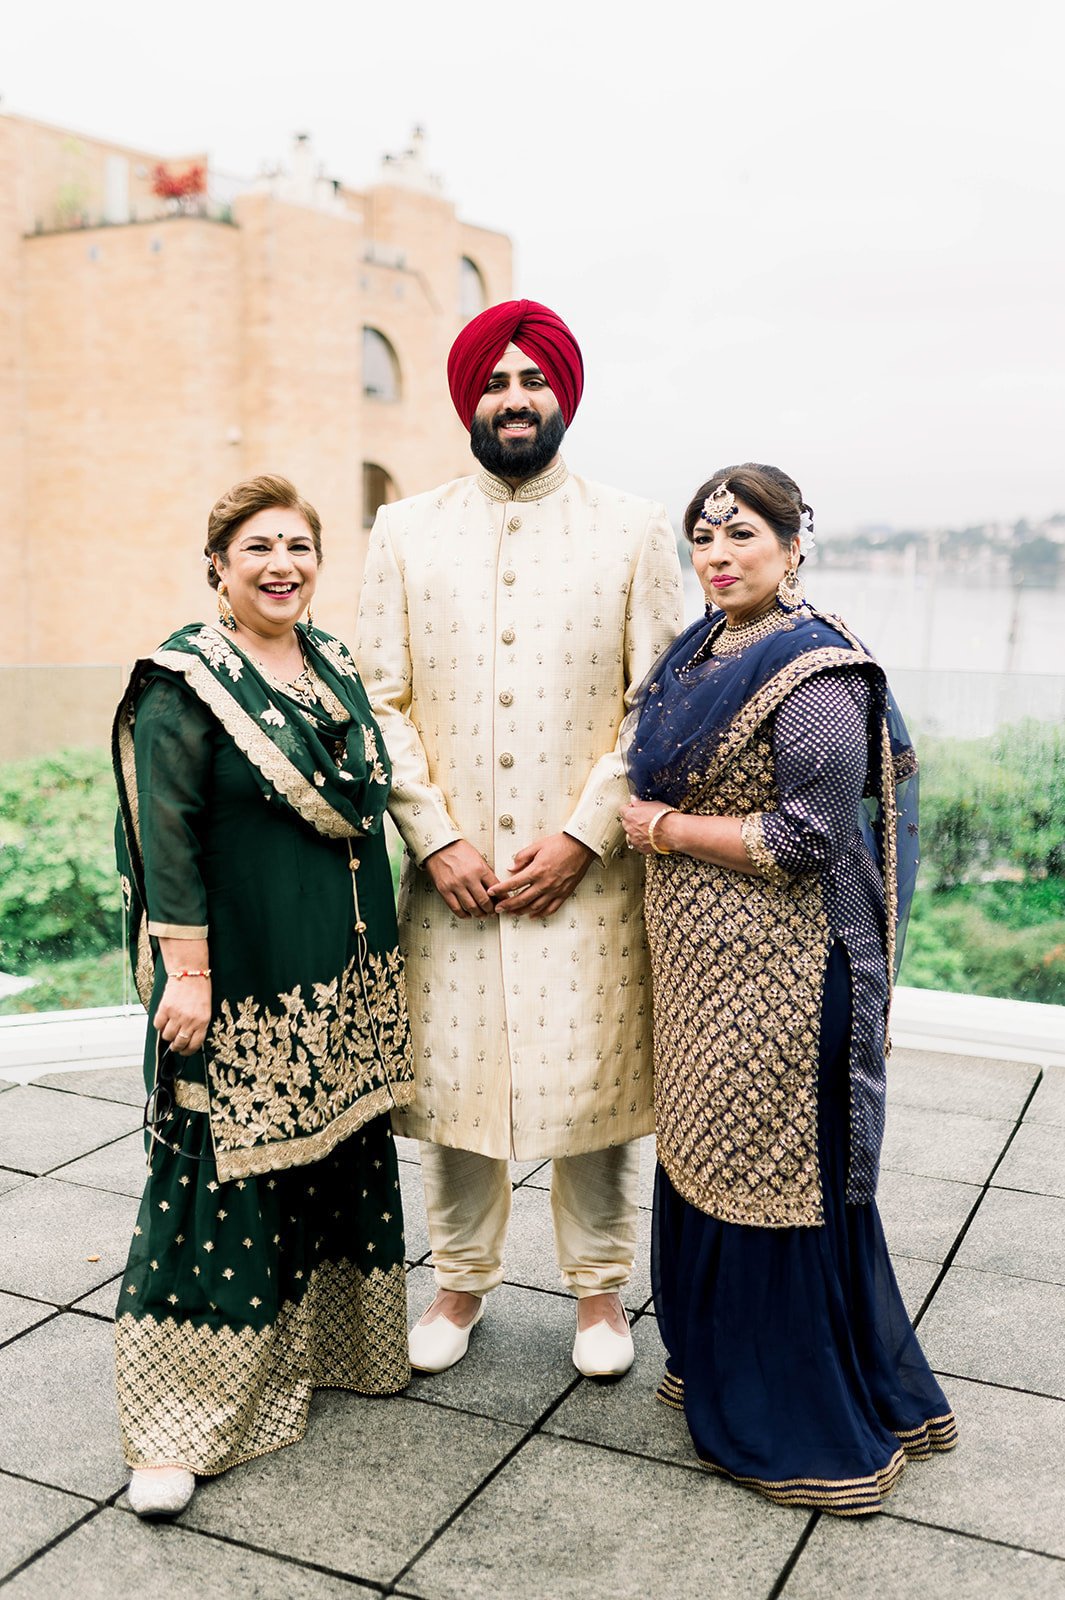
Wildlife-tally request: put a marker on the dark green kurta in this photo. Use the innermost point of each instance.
(268, 1253)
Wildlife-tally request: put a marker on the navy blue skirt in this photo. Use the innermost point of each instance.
(789, 1349)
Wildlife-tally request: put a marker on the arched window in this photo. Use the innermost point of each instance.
(472, 295)
(380, 367)
(378, 489)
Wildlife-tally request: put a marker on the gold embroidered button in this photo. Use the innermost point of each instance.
(509, 576)
(514, 524)
(506, 698)
(506, 759)
(506, 820)
(507, 636)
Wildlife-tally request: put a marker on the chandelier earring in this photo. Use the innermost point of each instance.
(791, 591)
(225, 610)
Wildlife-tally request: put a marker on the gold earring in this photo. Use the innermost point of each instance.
(225, 610)
(791, 591)
(310, 619)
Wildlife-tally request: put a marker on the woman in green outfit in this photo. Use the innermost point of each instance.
(267, 1259)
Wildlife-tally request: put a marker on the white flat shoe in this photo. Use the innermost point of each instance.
(160, 1494)
(599, 1352)
(437, 1345)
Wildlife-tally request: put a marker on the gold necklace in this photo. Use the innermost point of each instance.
(736, 637)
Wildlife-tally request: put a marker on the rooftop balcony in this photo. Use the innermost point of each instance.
(510, 1474)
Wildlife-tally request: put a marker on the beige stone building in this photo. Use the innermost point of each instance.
(153, 351)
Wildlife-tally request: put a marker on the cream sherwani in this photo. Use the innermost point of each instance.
(501, 635)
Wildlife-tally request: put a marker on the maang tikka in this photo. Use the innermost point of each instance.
(720, 507)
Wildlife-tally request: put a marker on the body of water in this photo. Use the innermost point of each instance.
(962, 659)
(942, 626)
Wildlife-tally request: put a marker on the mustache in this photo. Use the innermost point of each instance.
(506, 417)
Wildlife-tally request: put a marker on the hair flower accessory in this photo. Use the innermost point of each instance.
(807, 542)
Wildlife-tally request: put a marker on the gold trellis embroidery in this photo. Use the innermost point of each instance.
(208, 1397)
(312, 1071)
(736, 1059)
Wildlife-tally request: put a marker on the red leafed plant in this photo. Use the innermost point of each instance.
(179, 185)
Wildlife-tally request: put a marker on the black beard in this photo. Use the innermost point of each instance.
(518, 461)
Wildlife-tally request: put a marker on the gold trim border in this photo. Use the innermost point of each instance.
(281, 1154)
(257, 746)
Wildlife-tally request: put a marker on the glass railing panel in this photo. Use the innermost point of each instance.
(989, 916)
(989, 913)
(62, 935)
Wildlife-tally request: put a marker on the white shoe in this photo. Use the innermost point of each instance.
(599, 1352)
(160, 1493)
(437, 1345)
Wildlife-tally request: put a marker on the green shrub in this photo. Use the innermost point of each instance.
(59, 894)
(991, 804)
(82, 983)
(1005, 939)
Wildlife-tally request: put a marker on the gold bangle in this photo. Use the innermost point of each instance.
(200, 972)
(657, 848)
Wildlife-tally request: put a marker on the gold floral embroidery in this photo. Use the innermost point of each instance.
(273, 716)
(309, 1070)
(209, 1397)
(218, 650)
(338, 656)
(373, 755)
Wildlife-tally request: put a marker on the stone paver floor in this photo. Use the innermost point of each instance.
(511, 1476)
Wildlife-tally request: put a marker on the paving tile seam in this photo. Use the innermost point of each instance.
(948, 1261)
(93, 1188)
(53, 1172)
(34, 1327)
(59, 1539)
(1007, 1388)
(94, 1316)
(1015, 1188)
(43, 1483)
(533, 1430)
(793, 1560)
(694, 1465)
(967, 1533)
(1014, 1277)
(216, 1537)
(82, 1094)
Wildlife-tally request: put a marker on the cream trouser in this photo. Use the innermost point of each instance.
(593, 1205)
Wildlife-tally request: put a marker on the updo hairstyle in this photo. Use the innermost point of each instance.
(767, 490)
(230, 513)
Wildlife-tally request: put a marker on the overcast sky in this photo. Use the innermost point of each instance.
(824, 234)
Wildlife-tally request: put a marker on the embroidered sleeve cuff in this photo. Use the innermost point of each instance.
(176, 930)
(761, 857)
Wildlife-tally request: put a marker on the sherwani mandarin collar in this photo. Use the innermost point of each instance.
(532, 489)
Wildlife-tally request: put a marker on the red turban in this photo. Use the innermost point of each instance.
(534, 329)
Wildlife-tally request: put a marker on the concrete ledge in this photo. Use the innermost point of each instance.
(66, 1041)
(922, 1019)
(979, 1025)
